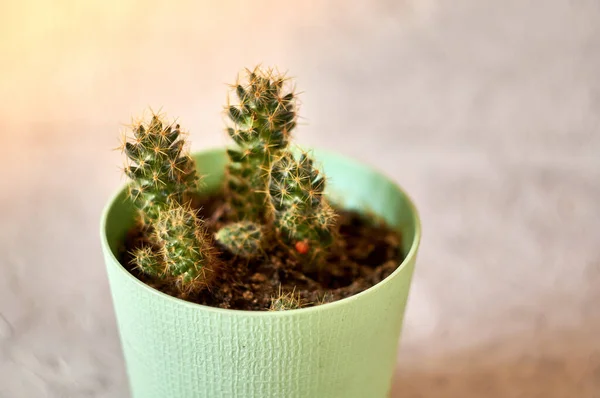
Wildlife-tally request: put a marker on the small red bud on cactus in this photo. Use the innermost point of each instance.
(302, 247)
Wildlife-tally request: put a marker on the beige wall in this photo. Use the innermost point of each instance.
(92, 63)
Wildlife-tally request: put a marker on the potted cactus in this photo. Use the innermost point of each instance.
(260, 270)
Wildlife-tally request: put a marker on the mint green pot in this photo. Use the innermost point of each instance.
(345, 349)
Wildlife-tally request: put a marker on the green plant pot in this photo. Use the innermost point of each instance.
(177, 349)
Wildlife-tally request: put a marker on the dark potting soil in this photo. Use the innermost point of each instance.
(365, 253)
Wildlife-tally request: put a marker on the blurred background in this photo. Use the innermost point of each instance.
(487, 112)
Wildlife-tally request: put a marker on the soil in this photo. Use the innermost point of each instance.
(365, 253)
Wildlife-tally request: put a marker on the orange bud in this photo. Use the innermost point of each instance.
(302, 247)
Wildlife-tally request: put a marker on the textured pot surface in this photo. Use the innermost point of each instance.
(176, 349)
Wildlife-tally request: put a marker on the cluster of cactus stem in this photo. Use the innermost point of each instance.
(163, 177)
(265, 182)
(273, 196)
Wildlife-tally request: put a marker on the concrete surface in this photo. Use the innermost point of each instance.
(487, 111)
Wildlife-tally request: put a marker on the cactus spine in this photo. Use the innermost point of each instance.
(163, 176)
(302, 216)
(243, 238)
(261, 126)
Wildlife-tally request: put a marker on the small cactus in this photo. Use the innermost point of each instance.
(286, 301)
(302, 216)
(185, 253)
(243, 238)
(163, 176)
(261, 126)
(160, 168)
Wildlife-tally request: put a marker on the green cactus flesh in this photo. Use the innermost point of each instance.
(261, 126)
(243, 238)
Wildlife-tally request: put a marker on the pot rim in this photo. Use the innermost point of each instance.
(330, 154)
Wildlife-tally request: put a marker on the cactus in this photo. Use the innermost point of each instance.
(302, 216)
(160, 168)
(262, 122)
(185, 253)
(285, 301)
(163, 175)
(243, 238)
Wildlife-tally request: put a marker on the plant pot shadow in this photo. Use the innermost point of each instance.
(537, 364)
